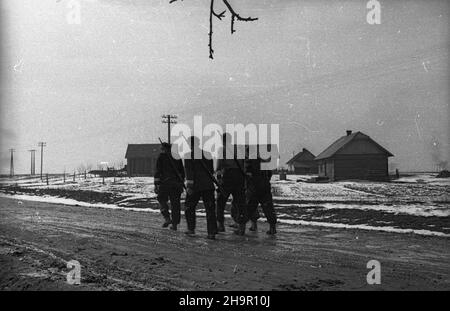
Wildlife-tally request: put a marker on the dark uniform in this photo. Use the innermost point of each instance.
(254, 219)
(259, 192)
(169, 178)
(231, 178)
(200, 185)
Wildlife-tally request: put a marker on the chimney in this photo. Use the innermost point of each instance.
(349, 132)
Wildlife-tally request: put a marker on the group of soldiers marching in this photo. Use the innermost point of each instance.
(243, 179)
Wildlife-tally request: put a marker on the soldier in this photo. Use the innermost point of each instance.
(233, 214)
(199, 184)
(230, 174)
(169, 178)
(259, 192)
(254, 220)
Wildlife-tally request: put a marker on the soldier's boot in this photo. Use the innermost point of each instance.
(173, 227)
(240, 230)
(272, 230)
(167, 222)
(189, 232)
(211, 237)
(254, 226)
(220, 227)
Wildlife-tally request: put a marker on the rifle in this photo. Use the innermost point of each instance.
(174, 167)
(211, 176)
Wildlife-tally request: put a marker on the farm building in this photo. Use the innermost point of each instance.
(354, 156)
(141, 159)
(303, 163)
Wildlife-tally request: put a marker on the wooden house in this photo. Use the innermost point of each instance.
(354, 156)
(303, 163)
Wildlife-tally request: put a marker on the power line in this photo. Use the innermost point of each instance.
(42, 145)
(11, 167)
(169, 119)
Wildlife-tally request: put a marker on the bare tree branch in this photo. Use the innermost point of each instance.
(219, 16)
(211, 11)
(234, 17)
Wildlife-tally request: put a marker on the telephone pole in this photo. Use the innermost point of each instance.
(169, 119)
(42, 145)
(11, 166)
(33, 161)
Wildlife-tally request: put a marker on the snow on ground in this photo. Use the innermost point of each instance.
(65, 201)
(136, 187)
(415, 203)
(420, 198)
(423, 178)
(417, 194)
(365, 227)
(414, 209)
(317, 191)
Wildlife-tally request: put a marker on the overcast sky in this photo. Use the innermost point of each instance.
(317, 68)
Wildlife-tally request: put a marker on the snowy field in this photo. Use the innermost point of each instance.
(412, 204)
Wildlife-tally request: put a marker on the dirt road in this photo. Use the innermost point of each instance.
(123, 250)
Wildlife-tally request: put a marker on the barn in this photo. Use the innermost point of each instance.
(354, 156)
(141, 159)
(303, 163)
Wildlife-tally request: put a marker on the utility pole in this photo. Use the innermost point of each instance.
(11, 166)
(42, 145)
(33, 161)
(169, 119)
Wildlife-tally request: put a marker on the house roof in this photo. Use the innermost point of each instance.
(345, 140)
(142, 151)
(304, 155)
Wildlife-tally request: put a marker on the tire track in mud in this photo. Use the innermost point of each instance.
(122, 250)
(108, 232)
(97, 260)
(117, 283)
(103, 237)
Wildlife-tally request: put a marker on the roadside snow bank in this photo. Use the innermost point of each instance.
(64, 201)
(362, 227)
